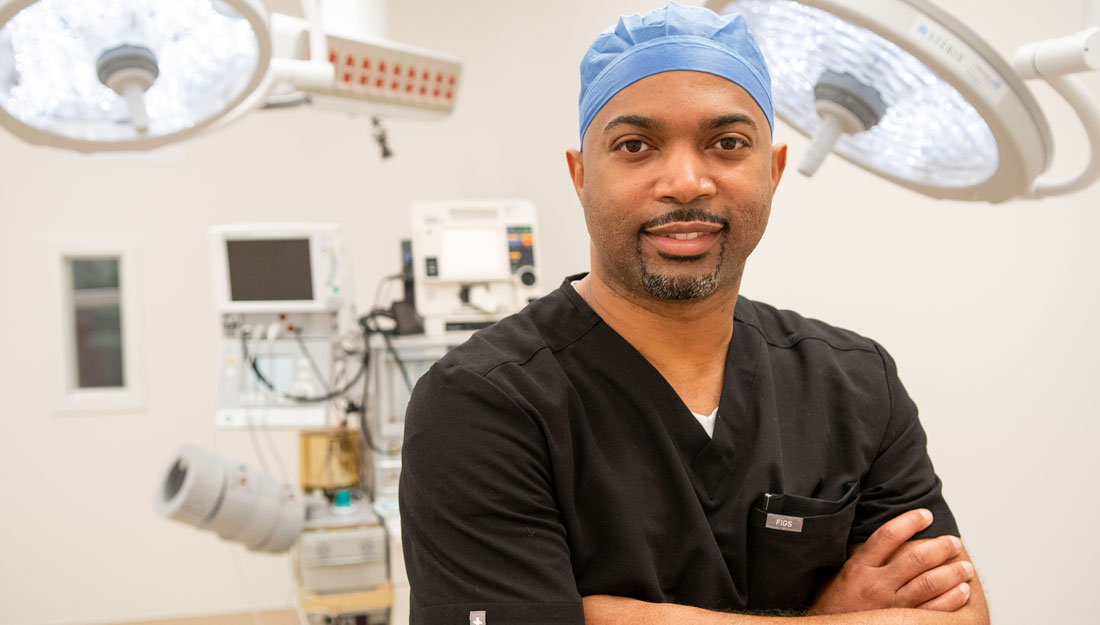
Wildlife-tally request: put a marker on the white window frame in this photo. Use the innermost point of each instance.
(70, 399)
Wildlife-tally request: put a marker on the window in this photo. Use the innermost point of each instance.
(97, 316)
(96, 287)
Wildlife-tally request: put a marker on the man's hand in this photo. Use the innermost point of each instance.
(889, 572)
(881, 583)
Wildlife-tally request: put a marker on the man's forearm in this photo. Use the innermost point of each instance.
(606, 610)
(870, 587)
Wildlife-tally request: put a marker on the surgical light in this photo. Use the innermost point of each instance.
(126, 74)
(906, 91)
(92, 75)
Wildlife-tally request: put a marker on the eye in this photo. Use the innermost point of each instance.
(633, 146)
(731, 143)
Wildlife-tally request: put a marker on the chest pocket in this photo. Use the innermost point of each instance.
(795, 546)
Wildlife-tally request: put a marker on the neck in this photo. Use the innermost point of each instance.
(685, 341)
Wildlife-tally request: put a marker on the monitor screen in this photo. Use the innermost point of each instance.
(267, 270)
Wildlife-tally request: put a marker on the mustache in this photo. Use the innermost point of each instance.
(685, 213)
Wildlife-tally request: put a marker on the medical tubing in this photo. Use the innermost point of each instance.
(397, 359)
(389, 564)
(364, 323)
(316, 369)
(279, 466)
(256, 447)
(312, 362)
(305, 399)
(380, 290)
(1081, 100)
(364, 431)
(382, 312)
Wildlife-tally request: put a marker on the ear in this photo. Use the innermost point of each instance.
(779, 163)
(575, 160)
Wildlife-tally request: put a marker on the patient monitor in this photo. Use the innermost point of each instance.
(473, 262)
(283, 291)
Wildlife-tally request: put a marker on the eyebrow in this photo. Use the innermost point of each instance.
(727, 120)
(646, 123)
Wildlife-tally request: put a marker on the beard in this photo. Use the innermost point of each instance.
(681, 288)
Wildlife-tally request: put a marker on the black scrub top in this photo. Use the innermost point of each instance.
(546, 460)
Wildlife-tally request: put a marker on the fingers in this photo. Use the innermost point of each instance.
(949, 601)
(915, 558)
(936, 584)
(887, 539)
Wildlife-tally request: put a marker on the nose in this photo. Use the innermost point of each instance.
(684, 176)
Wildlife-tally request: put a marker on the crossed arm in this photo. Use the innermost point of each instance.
(885, 580)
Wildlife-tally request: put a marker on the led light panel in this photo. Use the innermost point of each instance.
(930, 134)
(208, 54)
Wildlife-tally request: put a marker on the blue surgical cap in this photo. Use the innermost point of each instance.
(673, 38)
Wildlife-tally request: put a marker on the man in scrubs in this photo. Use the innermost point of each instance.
(645, 445)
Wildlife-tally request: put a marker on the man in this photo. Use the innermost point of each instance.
(645, 446)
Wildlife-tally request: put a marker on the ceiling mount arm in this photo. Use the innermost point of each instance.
(1078, 96)
(1053, 60)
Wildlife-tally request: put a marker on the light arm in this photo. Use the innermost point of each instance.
(1053, 60)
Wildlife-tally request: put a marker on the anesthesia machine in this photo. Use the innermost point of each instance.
(295, 355)
(284, 294)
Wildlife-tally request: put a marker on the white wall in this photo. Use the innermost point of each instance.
(988, 310)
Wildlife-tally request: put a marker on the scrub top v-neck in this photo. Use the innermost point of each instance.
(546, 460)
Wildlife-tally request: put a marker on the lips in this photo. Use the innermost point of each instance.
(683, 238)
(685, 228)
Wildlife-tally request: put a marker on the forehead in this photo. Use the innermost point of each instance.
(686, 96)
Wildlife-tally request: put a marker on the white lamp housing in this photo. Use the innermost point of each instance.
(127, 74)
(958, 122)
